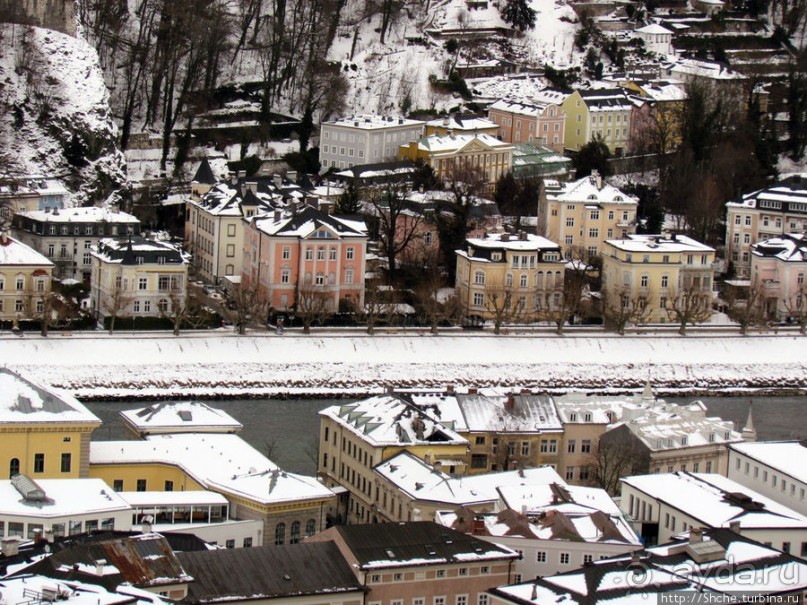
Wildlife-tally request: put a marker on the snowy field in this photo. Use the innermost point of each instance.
(226, 365)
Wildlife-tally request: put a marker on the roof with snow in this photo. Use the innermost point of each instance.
(524, 242)
(143, 561)
(653, 28)
(62, 498)
(667, 426)
(268, 572)
(23, 401)
(310, 223)
(788, 457)
(664, 91)
(180, 417)
(453, 143)
(716, 501)
(717, 561)
(138, 250)
(787, 195)
(21, 589)
(459, 123)
(13, 253)
(83, 214)
(181, 498)
(524, 108)
(704, 69)
(391, 420)
(372, 122)
(513, 413)
(418, 543)
(606, 99)
(588, 190)
(224, 463)
(204, 174)
(427, 483)
(790, 248)
(643, 242)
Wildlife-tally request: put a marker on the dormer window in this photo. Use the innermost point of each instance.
(160, 260)
(573, 417)
(496, 256)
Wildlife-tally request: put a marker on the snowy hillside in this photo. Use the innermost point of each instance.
(58, 118)
(381, 76)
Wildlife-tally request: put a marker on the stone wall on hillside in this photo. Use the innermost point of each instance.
(59, 15)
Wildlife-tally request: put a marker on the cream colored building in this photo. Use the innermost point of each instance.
(655, 269)
(583, 214)
(522, 267)
(137, 277)
(779, 267)
(764, 214)
(592, 114)
(25, 280)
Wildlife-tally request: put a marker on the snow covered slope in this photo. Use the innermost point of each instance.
(57, 120)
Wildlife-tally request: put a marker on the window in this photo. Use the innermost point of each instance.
(117, 485)
(479, 277)
(332, 254)
(13, 467)
(564, 558)
(39, 463)
(525, 448)
(571, 446)
(480, 440)
(479, 461)
(295, 532)
(463, 571)
(439, 601)
(320, 253)
(585, 446)
(230, 251)
(479, 300)
(309, 254)
(540, 556)
(20, 283)
(66, 463)
(462, 599)
(441, 573)
(349, 254)
(484, 570)
(285, 276)
(594, 233)
(247, 543)
(570, 221)
(286, 254)
(229, 544)
(280, 533)
(141, 485)
(588, 559)
(310, 527)
(644, 280)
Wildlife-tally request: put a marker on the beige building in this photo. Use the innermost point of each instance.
(25, 280)
(778, 267)
(503, 270)
(598, 114)
(764, 214)
(583, 214)
(137, 277)
(655, 271)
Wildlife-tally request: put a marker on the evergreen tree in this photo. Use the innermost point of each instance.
(519, 14)
(594, 155)
(349, 202)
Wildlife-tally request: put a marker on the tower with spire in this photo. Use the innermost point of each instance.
(749, 433)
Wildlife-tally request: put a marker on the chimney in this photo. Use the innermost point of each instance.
(325, 207)
(510, 403)
(49, 535)
(4, 241)
(450, 389)
(695, 535)
(11, 546)
(597, 178)
(252, 186)
(534, 595)
(472, 390)
(242, 174)
(735, 527)
(145, 525)
(277, 215)
(291, 176)
(277, 180)
(479, 526)
(99, 567)
(234, 179)
(37, 536)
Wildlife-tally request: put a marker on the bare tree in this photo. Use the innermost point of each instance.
(617, 455)
(183, 308)
(504, 306)
(622, 309)
(689, 306)
(117, 301)
(434, 307)
(312, 305)
(796, 306)
(398, 225)
(748, 310)
(40, 307)
(249, 306)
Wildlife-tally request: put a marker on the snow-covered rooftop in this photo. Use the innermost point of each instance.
(790, 248)
(462, 124)
(588, 190)
(513, 413)
(505, 241)
(643, 242)
(181, 498)
(84, 214)
(22, 589)
(14, 253)
(372, 122)
(653, 28)
(63, 497)
(221, 462)
(451, 143)
(306, 222)
(180, 417)
(789, 194)
(704, 69)
(23, 401)
(789, 457)
(714, 500)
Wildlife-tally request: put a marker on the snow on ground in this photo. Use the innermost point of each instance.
(204, 364)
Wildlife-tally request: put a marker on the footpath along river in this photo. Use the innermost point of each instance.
(287, 429)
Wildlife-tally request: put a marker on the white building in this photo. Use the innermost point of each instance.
(60, 507)
(366, 139)
(657, 39)
(42, 589)
(674, 502)
(555, 527)
(776, 469)
(179, 417)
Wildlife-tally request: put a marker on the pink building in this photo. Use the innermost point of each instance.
(779, 267)
(539, 122)
(288, 250)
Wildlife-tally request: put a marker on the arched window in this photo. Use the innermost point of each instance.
(280, 533)
(162, 305)
(295, 532)
(310, 527)
(479, 277)
(14, 467)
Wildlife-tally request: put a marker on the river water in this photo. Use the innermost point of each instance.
(287, 430)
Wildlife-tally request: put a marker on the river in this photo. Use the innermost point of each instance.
(287, 429)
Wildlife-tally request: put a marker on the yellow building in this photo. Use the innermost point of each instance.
(583, 214)
(506, 276)
(356, 437)
(25, 279)
(458, 155)
(655, 271)
(290, 506)
(44, 434)
(602, 113)
(657, 112)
